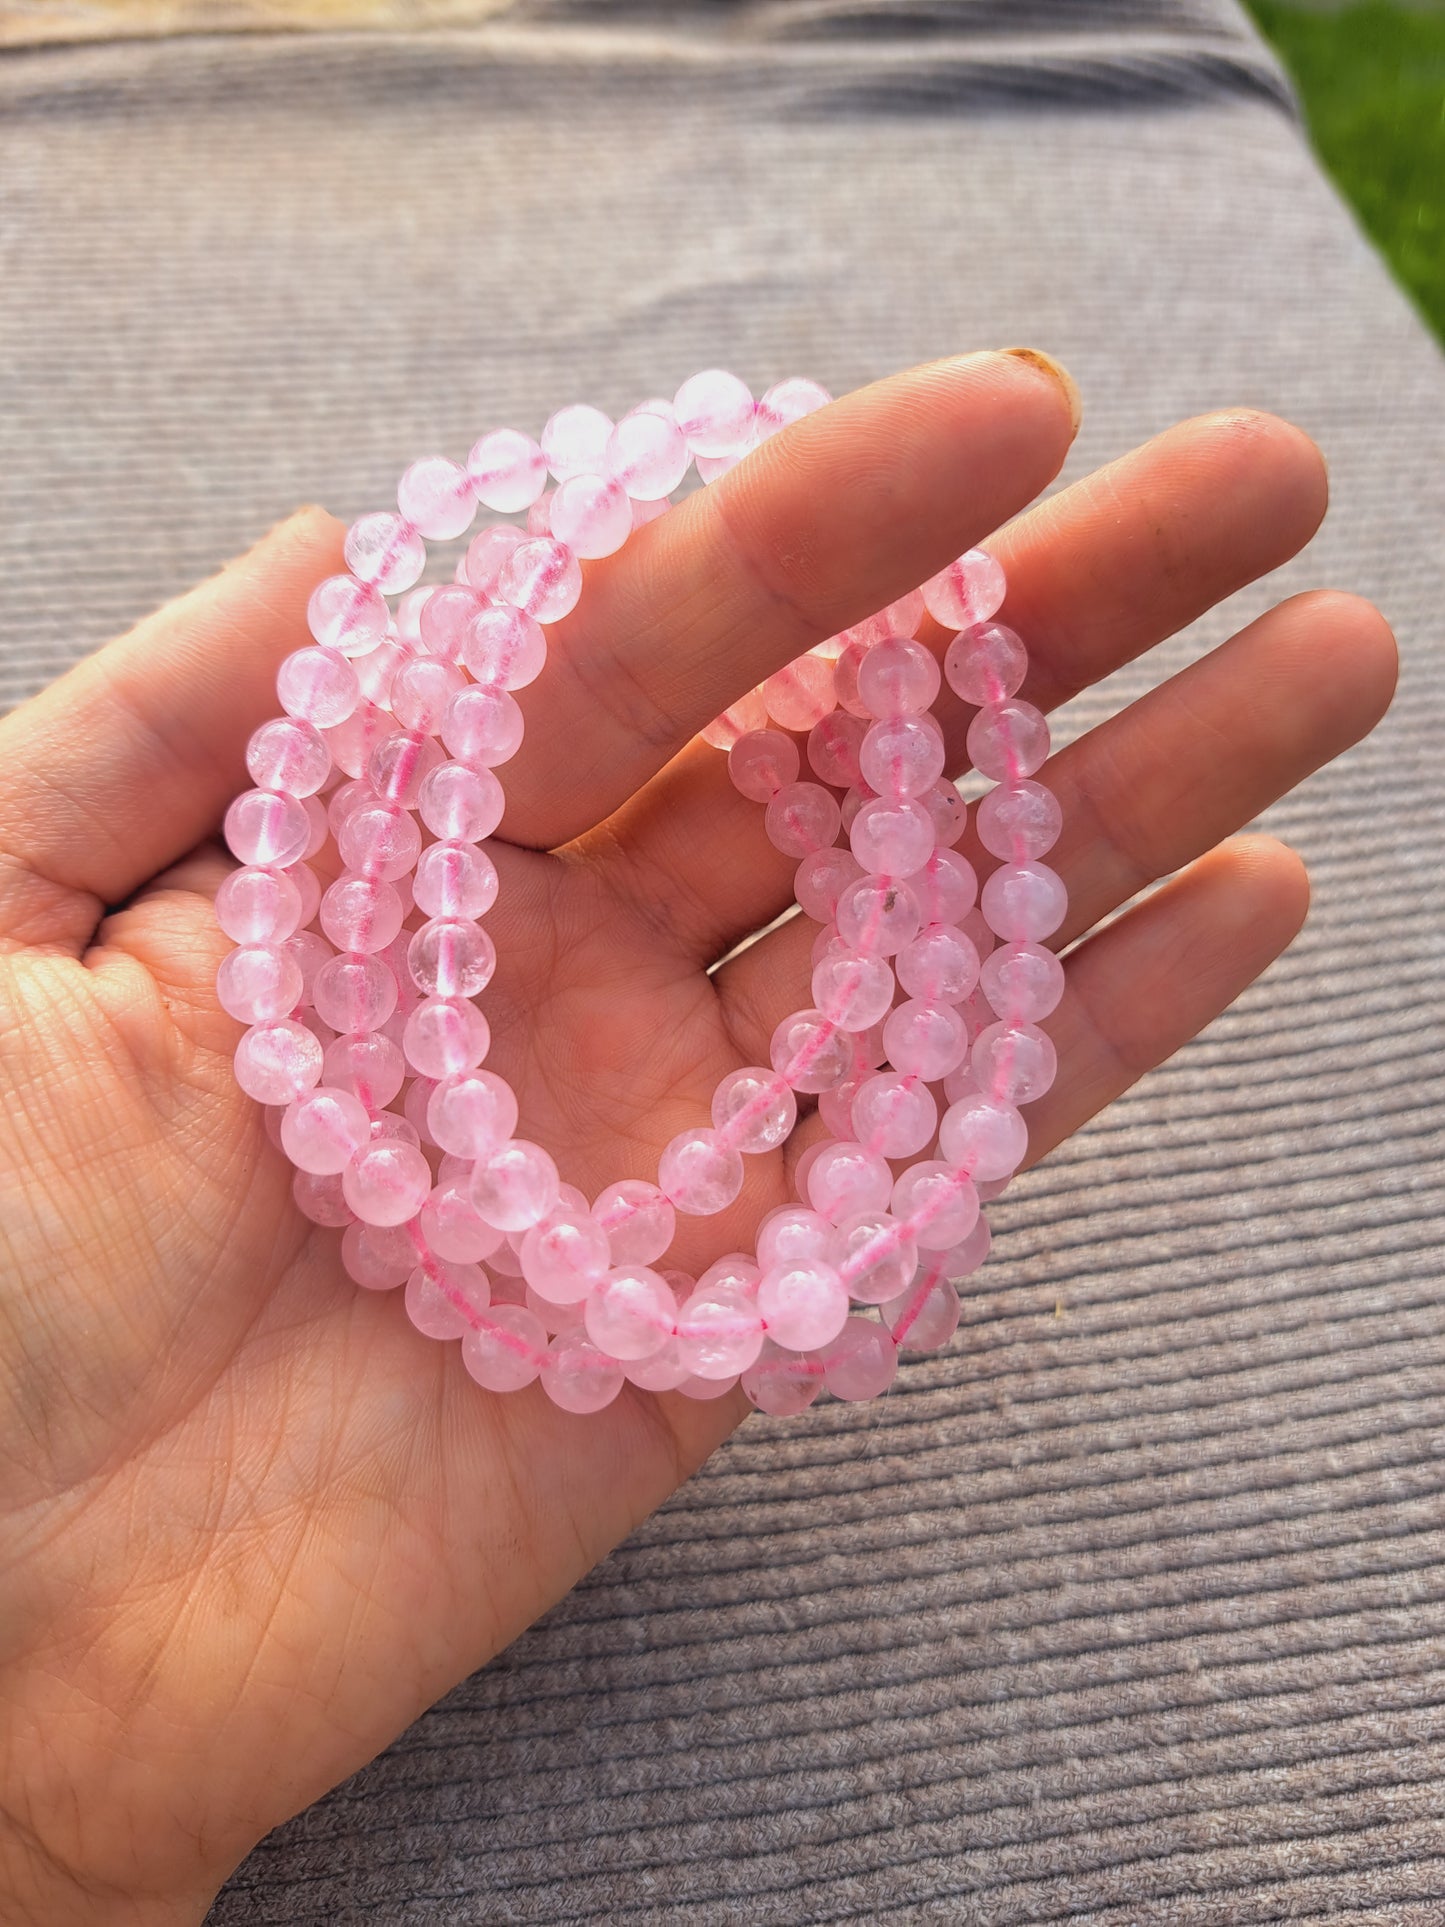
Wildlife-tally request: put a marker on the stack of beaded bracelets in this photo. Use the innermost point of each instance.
(365, 1043)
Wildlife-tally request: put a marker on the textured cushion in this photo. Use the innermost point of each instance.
(1128, 1609)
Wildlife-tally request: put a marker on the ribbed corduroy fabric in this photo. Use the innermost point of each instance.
(1128, 1609)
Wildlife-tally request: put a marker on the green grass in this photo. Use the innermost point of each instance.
(1372, 79)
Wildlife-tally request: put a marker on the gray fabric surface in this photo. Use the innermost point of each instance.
(1129, 1608)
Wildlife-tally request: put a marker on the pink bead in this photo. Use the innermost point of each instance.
(762, 764)
(902, 755)
(846, 669)
(845, 1179)
(311, 951)
(472, 1114)
(877, 915)
(542, 578)
(577, 1376)
(508, 470)
(386, 551)
(782, 1383)
(453, 1227)
(460, 803)
(924, 1317)
(965, 1258)
(853, 991)
(968, 591)
(877, 1255)
(451, 957)
(258, 905)
(821, 879)
(897, 678)
(318, 686)
(940, 965)
(362, 914)
(631, 1312)
(986, 664)
(662, 1371)
(647, 453)
(1019, 821)
(564, 1256)
(288, 754)
(701, 1175)
(436, 496)
(984, 1136)
(946, 889)
(741, 717)
(833, 746)
(421, 691)
(575, 440)
(369, 1259)
(800, 694)
(754, 1110)
(810, 1052)
(787, 402)
(347, 615)
(894, 1116)
(1022, 981)
(1016, 1061)
(443, 621)
(949, 813)
(592, 515)
(446, 1301)
(892, 836)
(714, 410)
(862, 1361)
(939, 1207)
(354, 992)
(387, 1182)
(483, 726)
(515, 1186)
(455, 880)
(802, 1305)
(379, 840)
(719, 1330)
(367, 1064)
(267, 828)
(539, 516)
(1024, 902)
(399, 765)
(352, 742)
(638, 1219)
(793, 1233)
(278, 1061)
(1008, 740)
(505, 649)
(445, 1036)
(320, 1200)
(503, 1351)
(925, 1040)
(258, 983)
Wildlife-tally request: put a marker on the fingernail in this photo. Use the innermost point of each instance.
(1060, 374)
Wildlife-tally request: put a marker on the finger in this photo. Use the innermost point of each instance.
(1166, 779)
(126, 762)
(1097, 574)
(823, 523)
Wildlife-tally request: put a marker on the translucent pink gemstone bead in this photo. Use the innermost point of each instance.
(278, 1061)
(941, 965)
(853, 991)
(354, 992)
(381, 840)
(754, 1110)
(1024, 902)
(564, 1256)
(810, 1052)
(575, 440)
(385, 551)
(543, 578)
(968, 591)
(631, 1312)
(876, 1255)
(320, 1200)
(311, 951)
(515, 1186)
(763, 763)
(445, 1036)
(1008, 740)
(421, 690)
(946, 889)
(453, 1227)
(782, 1383)
(483, 725)
(939, 1207)
(539, 516)
(892, 836)
(802, 818)
(862, 1361)
(984, 1136)
(487, 555)
(793, 1232)
(714, 410)
(353, 741)
(460, 803)
(897, 677)
(577, 1376)
(454, 879)
(319, 686)
(386, 1182)
(258, 983)
(288, 754)
(800, 694)
(592, 515)
(821, 879)
(446, 1301)
(894, 1116)
(369, 1260)
(1016, 1061)
(1022, 981)
(399, 765)
(267, 828)
(924, 1039)
(258, 905)
(787, 402)
(833, 746)
(878, 915)
(1019, 821)
(661, 1371)
(503, 1351)
(472, 1114)
(902, 755)
(699, 1173)
(362, 913)
(719, 1330)
(846, 667)
(924, 1317)
(508, 470)
(802, 1305)
(647, 453)
(347, 615)
(846, 1179)
(368, 1064)
(451, 957)
(638, 1219)
(986, 664)
(436, 496)
(949, 813)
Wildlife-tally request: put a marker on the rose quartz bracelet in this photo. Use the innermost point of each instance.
(366, 1042)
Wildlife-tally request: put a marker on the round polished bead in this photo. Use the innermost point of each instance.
(1022, 981)
(940, 965)
(354, 992)
(442, 624)
(853, 991)
(258, 983)
(939, 1206)
(631, 1312)
(515, 1186)
(399, 765)
(276, 1062)
(503, 648)
(503, 1350)
(370, 1260)
(986, 664)
(453, 1227)
(965, 1258)
(267, 828)
(451, 957)
(984, 1136)
(699, 1173)
(787, 402)
(892, 836)
(1024, 902)
(353, 741)
(461, 803)
(320, 1200)
(924, 1316)
(446, 1300)
(575, 440)
(968, 591)
(793, 1233)
(592, 515)
(902, 755)
(311, 951)
(894, 1116)
(802, 1305)
(802, 818)
(319, 686)
(638, 1219)
(800, 694)
(661, 1371)
(946, 889)
(258, 905)
(719, 1329)
(925, 1040)
(762, 764)
(833, 746)
(647, 453)
(508, 470)
(949, 813)
(877, 915)
(368, 1064)
(845, 1179)
(754, 1110)
(436, 496)
(385, 551)
(288, 754)
(564, 1256)
(897, 677)
(454, 879)
(1019, 822)
(362, 913)
(821, 879)
(782, 1383)
(380, 840)
(577, 1377)
(386, 1182)
(714, 410)
(445, 1036)
(472, 1114)
(1008, 741)
(846, 668)
(483, 726)
(421, 690)
(876, 1255)
(810, 1052)
(543, 578)
(1016, 1061)
(862, 1361)
(346, 615)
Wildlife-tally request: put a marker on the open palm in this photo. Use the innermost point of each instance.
(251, 1523)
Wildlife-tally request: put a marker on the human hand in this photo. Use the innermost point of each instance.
(251, 1523)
